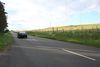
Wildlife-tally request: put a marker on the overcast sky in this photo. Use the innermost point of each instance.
(35, 14)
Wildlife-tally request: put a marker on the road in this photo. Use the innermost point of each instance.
(41, 52)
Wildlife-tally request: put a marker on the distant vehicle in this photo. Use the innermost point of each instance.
(21, 35)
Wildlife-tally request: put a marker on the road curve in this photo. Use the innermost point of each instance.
(41, 52)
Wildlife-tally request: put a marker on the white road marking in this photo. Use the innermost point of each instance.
(81, 50)
(80, 55)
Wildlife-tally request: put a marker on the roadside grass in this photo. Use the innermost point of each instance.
(6, 40)
(89, 37)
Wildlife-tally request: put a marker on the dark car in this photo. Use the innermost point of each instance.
(22, 35)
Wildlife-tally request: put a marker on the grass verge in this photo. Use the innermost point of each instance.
(6, 40)
(84, 37)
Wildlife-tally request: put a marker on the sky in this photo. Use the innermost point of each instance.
(38, 14)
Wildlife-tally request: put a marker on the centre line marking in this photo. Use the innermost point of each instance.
(79, 55)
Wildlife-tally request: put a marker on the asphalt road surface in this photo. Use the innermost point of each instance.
(41, 52)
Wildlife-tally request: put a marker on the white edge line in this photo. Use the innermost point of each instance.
(80, 55)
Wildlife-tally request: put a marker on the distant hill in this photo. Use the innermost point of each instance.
(72, 27)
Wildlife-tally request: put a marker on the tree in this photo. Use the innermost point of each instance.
(3, 18)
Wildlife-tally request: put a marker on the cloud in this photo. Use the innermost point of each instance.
(93, 5)
(33, 14)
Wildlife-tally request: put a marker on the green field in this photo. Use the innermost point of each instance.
(5, 40)
(89, 35)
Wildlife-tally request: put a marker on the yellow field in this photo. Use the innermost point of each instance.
(72, 27)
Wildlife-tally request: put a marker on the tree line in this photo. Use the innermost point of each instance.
(3, 18)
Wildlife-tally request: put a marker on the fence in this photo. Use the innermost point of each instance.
(69, 28)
